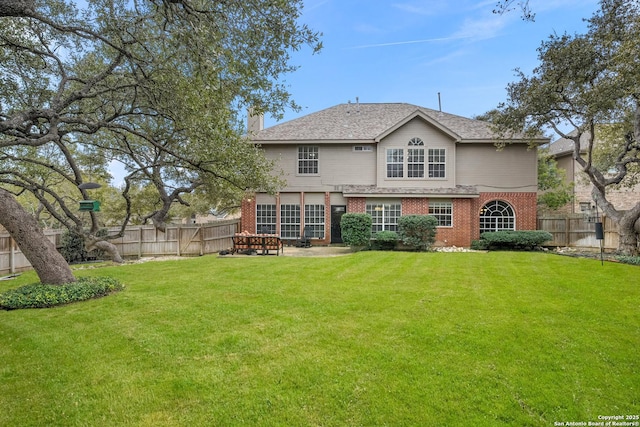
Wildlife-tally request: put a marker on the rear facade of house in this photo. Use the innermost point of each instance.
(390, 160)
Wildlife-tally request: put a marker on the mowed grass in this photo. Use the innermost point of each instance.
(371, 338)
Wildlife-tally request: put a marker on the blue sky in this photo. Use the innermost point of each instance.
(409, 50)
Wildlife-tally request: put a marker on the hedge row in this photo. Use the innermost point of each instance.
(522, 240)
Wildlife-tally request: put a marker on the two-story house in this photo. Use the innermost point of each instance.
(390, 160)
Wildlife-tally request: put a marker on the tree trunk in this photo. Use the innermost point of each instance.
(97, 243)
(628, 232)
(48, 263)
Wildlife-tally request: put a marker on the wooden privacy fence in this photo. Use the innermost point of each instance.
(577, 232)
(140, 241)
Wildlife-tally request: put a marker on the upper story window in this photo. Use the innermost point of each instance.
(437, 162)
(362, 148)
(416, 161)
(395, 163)
(308, 160)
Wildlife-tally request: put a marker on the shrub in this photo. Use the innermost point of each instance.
(384, 240)
(73, 249)
(523, 240)
(38, 295)
(627, 259)
(479, 245)
(417, 231)
(356, 229)
(73, 246)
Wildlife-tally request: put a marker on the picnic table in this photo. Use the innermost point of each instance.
(263, 243)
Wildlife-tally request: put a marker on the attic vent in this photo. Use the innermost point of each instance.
(362, 148)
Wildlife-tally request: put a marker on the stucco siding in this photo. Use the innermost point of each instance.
(514, 168)
(432, 138)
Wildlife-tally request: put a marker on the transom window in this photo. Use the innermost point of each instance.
(415, 141)
(289, 221)
(496, 216)
(314, 221)
(437, 162)
(308, 160)
(443, 211)
(266, 219)
(384, 216)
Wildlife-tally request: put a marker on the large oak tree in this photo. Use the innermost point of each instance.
(587, 87)
(157, 85)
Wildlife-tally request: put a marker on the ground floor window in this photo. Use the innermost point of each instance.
(314, 221)
(496, 216)
(266, 219)
(384, 216)
(289, 221)
(443, 211)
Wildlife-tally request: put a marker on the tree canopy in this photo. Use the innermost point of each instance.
(157, 85)
(588, 87)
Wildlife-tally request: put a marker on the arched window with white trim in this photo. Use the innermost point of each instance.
(496, 216)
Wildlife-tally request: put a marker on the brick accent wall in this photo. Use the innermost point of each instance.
(356, 205)
(524, 205)
(415, 206)
(466, 213)
(248, 218)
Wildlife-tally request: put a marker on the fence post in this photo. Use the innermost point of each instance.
(201, 231)
(178, 239)
(12, 255)
(139, 242)
(567, 231)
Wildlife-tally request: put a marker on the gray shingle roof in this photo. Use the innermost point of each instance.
(368, 122)
(564, 146)
(459, 191)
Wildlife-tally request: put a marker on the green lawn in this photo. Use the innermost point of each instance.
(372, 339)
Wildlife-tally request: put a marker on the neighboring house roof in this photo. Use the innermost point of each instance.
(357, 122)
(564, 146)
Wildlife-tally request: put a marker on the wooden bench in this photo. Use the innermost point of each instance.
(264, 243)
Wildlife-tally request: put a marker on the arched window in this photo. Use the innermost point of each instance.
(497, 215)
(415, 141)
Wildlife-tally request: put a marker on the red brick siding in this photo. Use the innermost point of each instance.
(356, 205)
(466, 223)
(413, 206)
(248, 218)
(524, 205)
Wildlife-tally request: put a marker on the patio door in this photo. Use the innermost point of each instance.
(336, 214)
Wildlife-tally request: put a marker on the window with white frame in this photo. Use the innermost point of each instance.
(314, 221)
(384, 216)
(266, 219)
(308, 160)
(443, 211)
(395, 163)
(496, 216)
(437, 162)
(289, 221)
(362, 148)
(415, 163)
